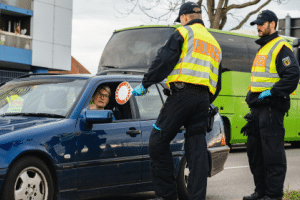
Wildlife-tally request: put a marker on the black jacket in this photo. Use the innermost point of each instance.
(167, 58)
(289, 78)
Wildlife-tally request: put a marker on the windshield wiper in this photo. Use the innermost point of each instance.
(34, 114)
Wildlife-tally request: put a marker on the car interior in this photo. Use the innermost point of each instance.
(120, 112)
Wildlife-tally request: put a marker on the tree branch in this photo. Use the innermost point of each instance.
(233, 6)
(223, 22)
(250, 14)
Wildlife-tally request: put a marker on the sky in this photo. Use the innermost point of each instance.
(94, 22)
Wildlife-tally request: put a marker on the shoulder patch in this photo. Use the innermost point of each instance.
(286, 61)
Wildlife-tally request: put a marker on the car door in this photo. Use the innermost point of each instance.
(149, 107)
(108, 153)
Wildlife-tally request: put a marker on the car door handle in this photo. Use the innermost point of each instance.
(133, 132)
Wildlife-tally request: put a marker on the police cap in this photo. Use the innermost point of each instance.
(188, 8)
(265, 16)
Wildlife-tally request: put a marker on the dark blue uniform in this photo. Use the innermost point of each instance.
(187, 107)
(265, 145)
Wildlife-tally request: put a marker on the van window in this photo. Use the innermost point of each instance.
(135, 48)
(237, 52)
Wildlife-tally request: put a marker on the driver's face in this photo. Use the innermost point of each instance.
(101, 99)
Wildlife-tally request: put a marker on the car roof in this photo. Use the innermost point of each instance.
(105, 74)
(108, 74)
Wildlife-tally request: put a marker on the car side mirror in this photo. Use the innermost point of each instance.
(98, 116)
(296, 43)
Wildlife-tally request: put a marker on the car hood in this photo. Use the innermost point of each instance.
(10, 124)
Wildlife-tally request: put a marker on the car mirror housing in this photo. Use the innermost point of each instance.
(296, 43)
(98, 116)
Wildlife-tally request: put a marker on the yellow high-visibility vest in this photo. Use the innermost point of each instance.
(15, 104)
(200, 58)
(264, 72)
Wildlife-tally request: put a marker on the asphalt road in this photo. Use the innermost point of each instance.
(235, 181)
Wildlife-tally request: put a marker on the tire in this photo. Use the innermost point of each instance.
(295, 144)
(227, 132)
(29, 178)
(182, 180)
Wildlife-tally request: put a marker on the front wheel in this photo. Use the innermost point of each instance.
(182, 180)
(227, 133)
(29, 178)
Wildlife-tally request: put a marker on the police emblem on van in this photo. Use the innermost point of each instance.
(286, 61)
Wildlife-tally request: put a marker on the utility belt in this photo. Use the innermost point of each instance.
(179, 86)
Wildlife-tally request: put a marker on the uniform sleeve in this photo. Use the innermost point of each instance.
(288, 70)
(165, 60)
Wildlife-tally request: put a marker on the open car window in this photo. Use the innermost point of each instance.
(120, 112)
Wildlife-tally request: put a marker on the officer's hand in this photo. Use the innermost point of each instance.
(244, 130)
(139, 90)
(264, 94)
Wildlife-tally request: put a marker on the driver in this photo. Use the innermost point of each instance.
(100, 99)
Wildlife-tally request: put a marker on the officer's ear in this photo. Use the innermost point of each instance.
(272, 25)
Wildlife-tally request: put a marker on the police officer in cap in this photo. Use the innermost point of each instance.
(275, 76)
(190, 60)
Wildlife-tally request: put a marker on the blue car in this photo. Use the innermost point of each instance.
(52, 146)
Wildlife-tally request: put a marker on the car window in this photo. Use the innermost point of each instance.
(150, 104)
(120, 112)
(52, 96)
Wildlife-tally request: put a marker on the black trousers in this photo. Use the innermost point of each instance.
(188, 107)
(265, 150)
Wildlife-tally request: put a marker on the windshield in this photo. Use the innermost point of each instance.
(135, 48)
(39, 96)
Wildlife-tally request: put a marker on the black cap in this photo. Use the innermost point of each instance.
(188, 8)
(265, 16)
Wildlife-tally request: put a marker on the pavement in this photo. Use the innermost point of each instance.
(235, 181)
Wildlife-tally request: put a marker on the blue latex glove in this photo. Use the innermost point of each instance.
(264, 94)
(139, 90)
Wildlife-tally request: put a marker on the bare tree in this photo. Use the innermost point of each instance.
(217, 10)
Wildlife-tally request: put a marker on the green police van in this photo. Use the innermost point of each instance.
(135, 47)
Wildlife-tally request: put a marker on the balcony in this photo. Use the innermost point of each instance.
(25, 4)
(14, 40)
(15, 49)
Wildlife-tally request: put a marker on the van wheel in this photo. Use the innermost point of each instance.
(182, 180)
(28, 178)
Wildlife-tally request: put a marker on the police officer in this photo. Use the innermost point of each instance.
(190, 60)
(15, 103)
(275, 75)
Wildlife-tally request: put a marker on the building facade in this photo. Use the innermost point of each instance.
(35, 36)
(289, 26)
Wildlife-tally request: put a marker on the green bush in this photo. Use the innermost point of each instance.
(291, 195)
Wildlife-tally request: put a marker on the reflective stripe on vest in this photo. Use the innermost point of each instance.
(199, 60)
(264, 73)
